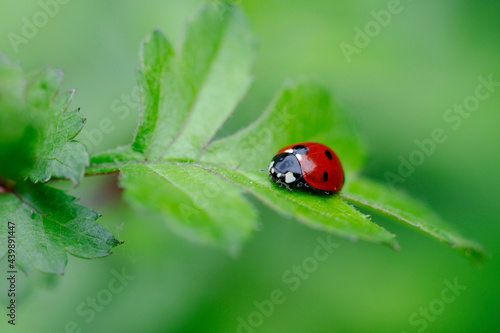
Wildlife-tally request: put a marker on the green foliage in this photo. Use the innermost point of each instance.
(57, 155)
(17, 133)
(36, 144)
(37, 121)
(49, 224)
(400, 207)
(173, 170)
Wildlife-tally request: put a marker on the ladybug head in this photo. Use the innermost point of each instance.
(285, 168)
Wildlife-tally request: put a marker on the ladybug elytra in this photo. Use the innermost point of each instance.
(307, 164)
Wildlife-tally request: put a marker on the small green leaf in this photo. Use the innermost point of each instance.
(402, 208)
(38, 118)
(57, 154)
(47, 225)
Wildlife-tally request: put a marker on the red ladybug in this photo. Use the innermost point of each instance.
(307, 164)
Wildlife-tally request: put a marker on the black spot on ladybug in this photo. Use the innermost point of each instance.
(300, 149)
(325, 176)
(328, 154)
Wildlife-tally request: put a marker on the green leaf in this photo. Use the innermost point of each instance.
(47, 225)
(36, 123)
(175, 171)
(400, 207)
(57, 154)
(36, 142)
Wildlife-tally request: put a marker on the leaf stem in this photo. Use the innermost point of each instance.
(103, 173)
(6, 186)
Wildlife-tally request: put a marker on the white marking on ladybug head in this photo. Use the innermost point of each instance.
(271, 164)
(272, 170)
(289, 177)
(289, 151)
(278, 175)
(299, 157)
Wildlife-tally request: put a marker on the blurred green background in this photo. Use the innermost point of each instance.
(396, 90)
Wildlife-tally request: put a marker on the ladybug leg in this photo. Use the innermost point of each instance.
(327, 192)
(288, 187)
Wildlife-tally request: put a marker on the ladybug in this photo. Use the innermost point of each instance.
(307, 164)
